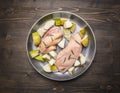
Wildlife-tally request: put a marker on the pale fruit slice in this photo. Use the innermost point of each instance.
(46, 56)
(49, 24)
(47, 68)
(52, 61)
(63, 20)
(67, 34)
(41, 31)
(72, 29)
(71, 70)
(85, 41)
(77, 63)
(82, 59)
(82, 32)
(53, 54)
(40, 58)
(54, 68)
(62, 43)
(57, 21)
(68, 24)
(36, 38)
(33, 53)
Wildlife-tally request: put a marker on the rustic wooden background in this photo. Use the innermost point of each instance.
(16, 73)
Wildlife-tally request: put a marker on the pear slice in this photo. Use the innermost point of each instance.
(82, 32)
(53, 54)
(57, 21)
(72, 29)
(33, 53)
(41, 31)
(68, 24)
(77, 63)
(47, 68)
(40, 58)
(52, 61)
(71, 70)
(67, 34)
(62, 43)
(54, 68)
(36, 38)
(85, 41)
(82, 59)
(46, 56)
(63, 20)
(49, 24)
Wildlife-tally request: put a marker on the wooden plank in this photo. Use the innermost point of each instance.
(16, 73)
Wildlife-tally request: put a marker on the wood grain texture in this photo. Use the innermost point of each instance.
(16, 73)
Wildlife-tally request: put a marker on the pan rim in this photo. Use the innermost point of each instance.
(93, 56)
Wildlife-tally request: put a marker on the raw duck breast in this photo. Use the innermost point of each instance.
(51, 38)
(67, 57)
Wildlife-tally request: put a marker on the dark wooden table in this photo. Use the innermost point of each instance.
(16, 73)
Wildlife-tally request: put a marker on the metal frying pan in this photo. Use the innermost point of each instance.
(88, 52)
